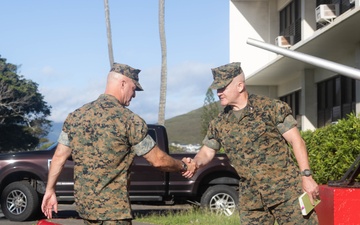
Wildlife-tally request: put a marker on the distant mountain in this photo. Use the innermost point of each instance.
(186, 128)
(55, 132)
(182, 129)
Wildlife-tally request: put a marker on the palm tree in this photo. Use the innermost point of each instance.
(163, 84)
(108, 29)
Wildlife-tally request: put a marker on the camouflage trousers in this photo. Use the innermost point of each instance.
(286, 213)
(108, 222)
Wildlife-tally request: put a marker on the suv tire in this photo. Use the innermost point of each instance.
(19, 201)
(221, 199)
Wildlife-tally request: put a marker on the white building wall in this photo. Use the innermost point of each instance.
(282, 3)
(251, 19)
(358, 97)
(259, 20)
(308, 24)
(357, 65)
(289, 86)
(270, 91)
(308, 107)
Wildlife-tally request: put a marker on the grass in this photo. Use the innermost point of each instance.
(189, 216)
(195, 216)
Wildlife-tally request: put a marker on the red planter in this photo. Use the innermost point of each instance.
(338, 206)
(45, 222)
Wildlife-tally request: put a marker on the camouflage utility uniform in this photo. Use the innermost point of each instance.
(104, 137)
(252, 139)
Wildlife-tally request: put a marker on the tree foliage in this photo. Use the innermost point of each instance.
(210, 110)
(23, 111)
(333, 149)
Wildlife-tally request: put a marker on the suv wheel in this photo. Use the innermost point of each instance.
(19, 201)
(221, 199)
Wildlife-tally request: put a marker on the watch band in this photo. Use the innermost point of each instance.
(184, 166)
(306, 172)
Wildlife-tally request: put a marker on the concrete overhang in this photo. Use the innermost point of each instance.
(332, 42)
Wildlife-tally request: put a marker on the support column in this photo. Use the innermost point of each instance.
(357, 85)
(308, 21)
(308, 104)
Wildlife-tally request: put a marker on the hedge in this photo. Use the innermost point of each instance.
(333, 149)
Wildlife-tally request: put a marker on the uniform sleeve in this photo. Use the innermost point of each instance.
(211, 139)
(139, 139)
(64, 139)
(288, 123)
(211, 143)
(283, 117)
(64, 136)
(144, 146)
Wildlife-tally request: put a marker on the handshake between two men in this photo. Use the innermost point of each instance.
(203, 157)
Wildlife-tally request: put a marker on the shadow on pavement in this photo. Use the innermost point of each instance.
(68, 216)
(138, 210)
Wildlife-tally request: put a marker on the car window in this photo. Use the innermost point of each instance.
(53, 146)
(152, 134)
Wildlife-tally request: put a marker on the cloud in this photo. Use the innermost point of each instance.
(48, 71)
(187, 84)
(66, 98)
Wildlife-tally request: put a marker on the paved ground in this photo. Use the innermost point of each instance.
(68, 216)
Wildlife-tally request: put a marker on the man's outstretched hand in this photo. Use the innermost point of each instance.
(192, 167)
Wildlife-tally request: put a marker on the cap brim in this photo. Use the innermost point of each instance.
(218, 84)
(138, 86)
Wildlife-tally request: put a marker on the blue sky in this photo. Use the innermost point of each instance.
(62, 46)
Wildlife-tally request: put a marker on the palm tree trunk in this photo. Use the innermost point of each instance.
(163, 84)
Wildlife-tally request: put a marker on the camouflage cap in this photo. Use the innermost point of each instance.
(129, 72)
(223, 75)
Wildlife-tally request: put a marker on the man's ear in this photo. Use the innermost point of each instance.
(241, 86)
(122, 83)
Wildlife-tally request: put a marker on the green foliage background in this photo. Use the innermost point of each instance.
(333, 149)
(23, 111)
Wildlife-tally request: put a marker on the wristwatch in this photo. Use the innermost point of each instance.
(184, 166)
(306, 173)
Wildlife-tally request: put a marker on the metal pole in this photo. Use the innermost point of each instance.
(323, 63)
(108, 29)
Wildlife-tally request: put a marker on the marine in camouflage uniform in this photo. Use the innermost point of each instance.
(101, 135)
(252, 138)
(103, 138)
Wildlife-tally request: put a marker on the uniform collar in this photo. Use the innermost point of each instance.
(246, 111)
(107, 97)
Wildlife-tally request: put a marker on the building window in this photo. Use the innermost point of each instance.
(290, 21)
(293, 100)
(336, 99)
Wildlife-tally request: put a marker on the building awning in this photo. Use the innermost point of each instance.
(333, 42)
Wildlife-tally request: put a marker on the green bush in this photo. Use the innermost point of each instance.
(333, 148)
